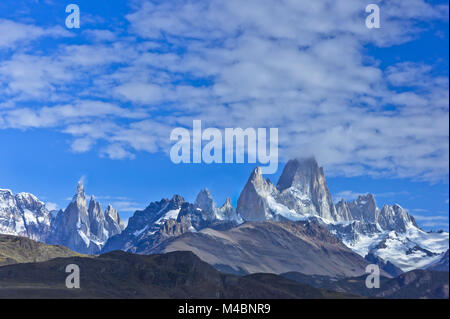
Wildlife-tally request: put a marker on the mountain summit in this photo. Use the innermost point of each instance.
(23, 215)
(85, 228)
(302, 194)
(303, 188)
(227, 237)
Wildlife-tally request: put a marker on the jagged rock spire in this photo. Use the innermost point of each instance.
(205, 201)
(303, 188)
(85, 228)
(80, 194)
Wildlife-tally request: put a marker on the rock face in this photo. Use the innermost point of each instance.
(303, 188)
(145, 223)
(171, 218)
(395, 218)
(302, 194)
(364, 209)
(343, 210)
(254, 204)
(24, 215)
(83, 228)
(211, 212)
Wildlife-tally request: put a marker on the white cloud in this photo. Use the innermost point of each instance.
(81, 145)
(435, 224)
(117, 151)
(126, 206)
(349, 195)
(13, 33)
(301, 66)
(346, 195)
(51, 206)
(101, 35)
(56, 115)
(430, 218)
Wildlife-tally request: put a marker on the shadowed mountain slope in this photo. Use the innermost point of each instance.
(269, 247)
(14, 249)
(124, 275)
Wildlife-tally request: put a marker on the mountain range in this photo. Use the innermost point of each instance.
(293, 226)
(252, 232)
(82, 227)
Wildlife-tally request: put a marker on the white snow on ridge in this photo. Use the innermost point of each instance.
(138, 232)
(30, 217)
(404, 250)
(365, 243)
(84, 237)
(280, 209)
(434, 242)
(171, 214)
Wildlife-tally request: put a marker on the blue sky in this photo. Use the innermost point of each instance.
(98, 103)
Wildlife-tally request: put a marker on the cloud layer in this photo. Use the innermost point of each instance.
(301, 66)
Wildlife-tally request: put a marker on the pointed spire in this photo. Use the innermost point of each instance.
(204, 193)
(256, 172)
(112, 212)
(80, 191)
(299, 171)
(205, 200)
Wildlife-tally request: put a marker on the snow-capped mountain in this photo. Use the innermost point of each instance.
(390, 233)
(388, 236)
(302, 193)
(174, 217)
(24, 215)
(80, 227)
(84, 228)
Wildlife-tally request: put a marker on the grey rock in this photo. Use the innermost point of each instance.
(395, 218)
(24, 215)
(253, 202)
(303, 187)
(364, 209)
(84, 229)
